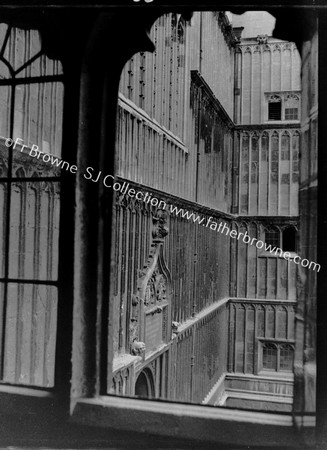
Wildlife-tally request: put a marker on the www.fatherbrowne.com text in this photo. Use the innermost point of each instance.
(147, 197)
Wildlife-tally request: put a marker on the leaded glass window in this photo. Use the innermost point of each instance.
(31, 103)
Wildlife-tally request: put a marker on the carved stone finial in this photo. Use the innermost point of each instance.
(175, 326)
(262, 38)
(135, 300)
(174, 329)
(274, 98)
(160, 230)
(158, 310)
(138, 347)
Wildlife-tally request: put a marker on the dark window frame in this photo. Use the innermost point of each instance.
(275, 110)
(276, 238)
(279, 346)
(12, 178)
(291, 240)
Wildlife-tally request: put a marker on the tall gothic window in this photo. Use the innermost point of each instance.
(31, 97)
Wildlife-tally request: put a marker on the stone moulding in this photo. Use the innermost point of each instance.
(153, 288)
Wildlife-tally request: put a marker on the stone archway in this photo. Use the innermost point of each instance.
(144, 385)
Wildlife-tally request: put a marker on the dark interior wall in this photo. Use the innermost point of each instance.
(305, 361)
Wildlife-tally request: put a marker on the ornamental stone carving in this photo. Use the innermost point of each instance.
(174, 329)
(151, 303)
(292, 97)
(160, 229)
(262, 39)
(137, 347)
(274, 98)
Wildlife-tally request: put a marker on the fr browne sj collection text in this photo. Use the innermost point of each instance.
(89, 172)
(147, 197)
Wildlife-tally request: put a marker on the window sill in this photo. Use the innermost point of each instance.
(205, 423)
(273, 255)
(24, 401)
(283, 121)
(265, 375)
(273, 374)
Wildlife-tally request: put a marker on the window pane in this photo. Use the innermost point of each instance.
(22, 45)
(272, 237)
(291, 113)
(38, 122)
(270, 320)
(281, 323)
(286, 357)
(269, 356)
(260, 321)
(3, 209)
(244, 173)
(5, 103)
(42, 66)
(32, 114)
(4, 154)
(34, 229)
(255, 159)
(285, 147)
(295, 157)
(274, 164)
(264, 147)
(30, 335)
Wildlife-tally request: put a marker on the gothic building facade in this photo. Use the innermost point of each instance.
(266, 179)
(212, 317)
(121, 268)
(174, 140)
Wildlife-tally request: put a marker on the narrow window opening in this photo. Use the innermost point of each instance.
(289, 240)
(275, 111)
